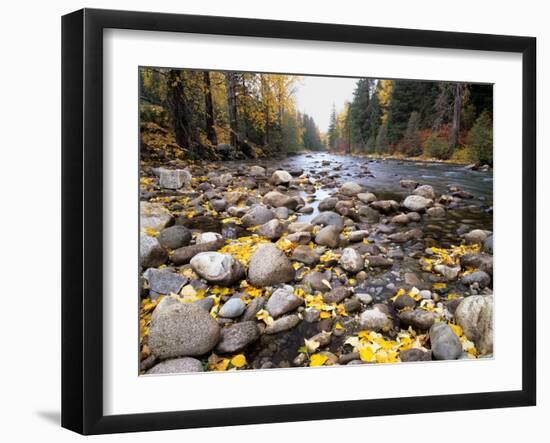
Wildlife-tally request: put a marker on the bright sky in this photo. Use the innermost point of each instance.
(316, 95)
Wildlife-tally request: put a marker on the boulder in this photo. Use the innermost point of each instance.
(174, 237)
(300, 227)
(329, 218)
(282, 301)
(337, 295)
(154, 216)
(476, 236)
(318, 281)
(282, 324)
(182, 329)
(474, 315)
(436, 212)
(236, 337)
(217, 268)
(174, 178)
(445, 344)
(257, 215)
(269, 266)
(377, 261)
(276, 199)
(151, 253)
(328, 204)
(304, 254)
(385, 206)
(328, 236)
(418, 319)
(183, 255)
(164, 281)
(374, 320)
(449, 272)
(357, 236)
(350, 189)
(257, 171)
(425, 191)
(281, 178)
(414, 354)
(176, 366)
(232, 308)
(408, 184)
(417, 203)
(272, 230)
(351, 260)
(366, 197)
(480, 277)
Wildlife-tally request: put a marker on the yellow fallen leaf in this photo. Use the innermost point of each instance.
(311, 345)
(366, 354)
(439, 285)
(325, 314)
(338, 326)
(238, 361)
(456, 329)
(317, 360)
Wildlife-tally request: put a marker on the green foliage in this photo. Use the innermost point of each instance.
(332, 134)
(382, 144)
(411, 141)
(436, 147)
(311, 138)
(480, 138)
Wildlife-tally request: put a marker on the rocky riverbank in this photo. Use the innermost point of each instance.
(309, 262)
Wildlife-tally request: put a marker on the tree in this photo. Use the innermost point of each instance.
(411, 140)
(382, 144)
(185, 132)
(231, 90)
(209, 110)
(480, 138)
(332, 134)
(458, 90)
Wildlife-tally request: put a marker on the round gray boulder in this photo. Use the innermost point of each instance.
(217, 268)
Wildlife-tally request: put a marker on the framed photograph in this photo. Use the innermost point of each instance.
(269, 221)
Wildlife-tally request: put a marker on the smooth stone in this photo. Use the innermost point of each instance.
(480, 277)
(418, 319)
(476, 236)
(425, 191)
(282, 324)
(474, 315)
(182, 329)
(154, 216)
(304, 254)
(374, 320)
(336, 295)
(151, 253)
(217, 268)
(328, 236)
(445, 344)
(272, 230)
(366, 197)
(351, 260)
(232, 308)
(281, 178)
(350, 189)
(257, 215)
(282, 301)
(174, 237)
(329, 218)
(177, 366)
(253, 308)
(409, 355)
(164, 281)
(269, 266)
(318, 280)
(207, 237)
(174, 178)
(417, 203)
(183, 255)
(237, 337)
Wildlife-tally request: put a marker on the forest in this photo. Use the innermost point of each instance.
(218, 115)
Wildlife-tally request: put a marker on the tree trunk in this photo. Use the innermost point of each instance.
(230, 85)
(209, 108)
(185, 136)
(455, 126)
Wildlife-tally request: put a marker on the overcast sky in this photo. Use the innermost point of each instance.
(315, 96)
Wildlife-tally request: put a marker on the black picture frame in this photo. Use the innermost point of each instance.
(82, 218)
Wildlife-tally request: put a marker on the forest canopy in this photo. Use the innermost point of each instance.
(230, 115)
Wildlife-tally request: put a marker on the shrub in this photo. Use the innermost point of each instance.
(480, 138)
(436, 147)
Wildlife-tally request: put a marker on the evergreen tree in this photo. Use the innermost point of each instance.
(411, 141)
(480, 138)
(332, 134)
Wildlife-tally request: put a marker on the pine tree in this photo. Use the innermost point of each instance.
(411, 140)
(332, 131)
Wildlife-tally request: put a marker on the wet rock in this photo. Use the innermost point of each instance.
(329, 218)
(304, 254)
(351, 260)
(174, 178)
(337, 294)
(282, 301)
(377, 261)
(374, 320)
(404, 301)
(174, 237)
(488, 245)
(272, 230)
(151, 253)
(482, 261)
(328, 204)
(480, 277)
(449, 272)
(257, 215)
(385, 206)
(282, 324)
(253, 308)
(417, 203)
(182, 329)
(436, 212)
(403, 237)
(409, 355)
(220, 269)
(366, 197)
(408, 184)
(257, 171)
(364, 297)
(281, 213)
(276, 199)
(176, 366)
(207, 237)
(350, 189)
(300, 238)
(357, 236)
(476, 236)
(205, 303)
(164, 281)
(318, 281)
(300, 227)
(352, 305)
(445, 344)
(474, 314)
(232, 308)
(236, 337)
(425, 191)
(369, 214)
(281, 178)
(418, 318)
(328, 236)
(154, 216)
(269, 266)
